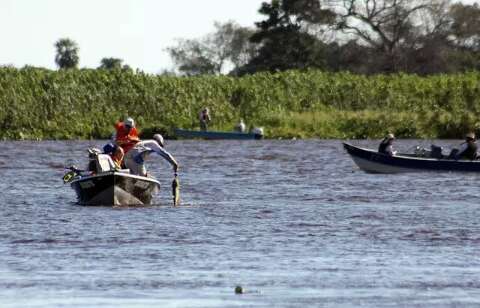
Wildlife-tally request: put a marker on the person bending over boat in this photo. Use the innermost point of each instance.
(135, 158)
(204, 118)
(468, 149)
(386, 146)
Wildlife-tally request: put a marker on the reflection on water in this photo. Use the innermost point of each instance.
(293, 222)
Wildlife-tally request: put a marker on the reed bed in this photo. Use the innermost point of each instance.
(37, 103)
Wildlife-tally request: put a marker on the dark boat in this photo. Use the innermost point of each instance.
(215, 135)
(373, 162)
(103, 184)
(114, 188)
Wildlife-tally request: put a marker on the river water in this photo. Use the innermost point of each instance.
(292, 222)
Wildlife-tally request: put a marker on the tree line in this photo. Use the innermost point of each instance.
(67, 57)
(361, 36)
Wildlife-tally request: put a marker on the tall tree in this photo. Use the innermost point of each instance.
(228, 47)
(234, 44)
(465, 26)
(283, 38)
(391, 28)
(67, 53)
(194, 57)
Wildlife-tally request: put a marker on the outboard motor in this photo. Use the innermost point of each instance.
(99, 162)
(92, 159)
(258, 131)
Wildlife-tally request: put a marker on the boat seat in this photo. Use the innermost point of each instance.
(104, 163)
(436, 151)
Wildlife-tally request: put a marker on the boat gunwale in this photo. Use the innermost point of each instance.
(408, 157)
(115, 173)
(216, 135)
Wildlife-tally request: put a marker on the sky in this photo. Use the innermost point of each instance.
(136, 31)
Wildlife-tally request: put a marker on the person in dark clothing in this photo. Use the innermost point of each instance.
(204, 118)
(468, 149)
(386, 145)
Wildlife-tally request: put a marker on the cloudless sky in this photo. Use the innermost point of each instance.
(137, 31)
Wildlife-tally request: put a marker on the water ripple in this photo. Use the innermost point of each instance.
(293, 222)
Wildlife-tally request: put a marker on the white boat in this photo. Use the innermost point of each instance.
(104, 184)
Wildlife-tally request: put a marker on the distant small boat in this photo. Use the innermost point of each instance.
(374, 162)
(215, 135)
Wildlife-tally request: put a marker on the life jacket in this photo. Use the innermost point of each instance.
(117, 158)
(126, 138)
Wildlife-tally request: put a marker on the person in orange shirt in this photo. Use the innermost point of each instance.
(125, 137)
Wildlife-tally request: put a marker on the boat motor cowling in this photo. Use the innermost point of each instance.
(258, 131)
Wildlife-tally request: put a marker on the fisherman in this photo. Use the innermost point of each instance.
(125, 138)
(135, 158)
(204, 118)
(126, 134)
(240, 127)
(386, 146)
(468, 149)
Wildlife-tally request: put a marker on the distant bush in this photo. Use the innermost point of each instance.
(43, 104)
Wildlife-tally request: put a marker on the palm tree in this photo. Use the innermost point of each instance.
(67, 53)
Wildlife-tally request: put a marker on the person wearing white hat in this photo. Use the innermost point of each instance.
(386, 146)
(126, 134)
(468, 149)
(135, 158)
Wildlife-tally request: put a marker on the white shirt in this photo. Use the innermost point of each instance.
(144, 148)
(241, 127)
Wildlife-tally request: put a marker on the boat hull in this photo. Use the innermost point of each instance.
(115, 188)
(213, 135)
(373, 162)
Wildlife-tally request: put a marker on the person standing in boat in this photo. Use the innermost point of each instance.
(126, 134)
(135, 158)
(386, 146)
(204, 118)
(125, 138)
(468, 149)
(240, 127)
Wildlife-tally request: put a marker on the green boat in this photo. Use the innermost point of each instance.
(214, 135)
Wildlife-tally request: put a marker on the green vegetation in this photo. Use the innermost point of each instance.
(421, 37)
(65, 104)
(67, 54)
